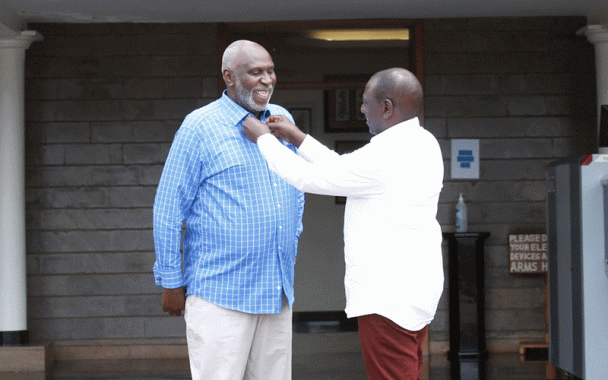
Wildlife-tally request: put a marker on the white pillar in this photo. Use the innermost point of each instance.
(598, 36)
(13, 301)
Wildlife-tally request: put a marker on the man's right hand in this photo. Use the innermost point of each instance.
(174, 301)
(282, 127)
(253, 129)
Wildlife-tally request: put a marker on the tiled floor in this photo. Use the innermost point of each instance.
(315, 357)
(347, 366)
(326, 367)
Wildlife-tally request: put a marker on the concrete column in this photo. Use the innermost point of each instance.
(598, 35)
(13, 301)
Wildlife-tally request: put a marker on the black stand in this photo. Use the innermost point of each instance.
(14, 338)
(468, 352)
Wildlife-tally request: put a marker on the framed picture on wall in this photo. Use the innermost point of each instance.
(359, 101)
(347, 146)
(302, 117)
(343, 111)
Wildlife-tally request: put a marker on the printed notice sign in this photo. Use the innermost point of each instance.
(465, 159)
(528, 253)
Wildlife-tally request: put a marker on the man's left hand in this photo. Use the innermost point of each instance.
(174, 301)
(253, 128)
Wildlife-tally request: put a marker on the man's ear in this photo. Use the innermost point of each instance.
(228, 77)
(387, 108)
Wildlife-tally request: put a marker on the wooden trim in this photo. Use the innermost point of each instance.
(222, 43)
(358, 23)
(418, 60)
(321, 85)
(418, 50)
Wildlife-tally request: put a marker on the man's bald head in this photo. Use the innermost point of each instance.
(233, 50)
(401, 87)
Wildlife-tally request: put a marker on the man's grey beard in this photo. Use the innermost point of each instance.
(247, 97)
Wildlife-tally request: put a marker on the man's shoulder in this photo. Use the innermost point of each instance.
(211, 114)
(206, 110)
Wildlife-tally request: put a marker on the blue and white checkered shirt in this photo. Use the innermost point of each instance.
(242, 220)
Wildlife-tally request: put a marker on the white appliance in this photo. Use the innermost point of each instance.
(577, 213)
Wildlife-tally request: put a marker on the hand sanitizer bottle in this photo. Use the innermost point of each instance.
(461, 215)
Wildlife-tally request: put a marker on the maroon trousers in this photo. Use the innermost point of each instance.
(390, 352)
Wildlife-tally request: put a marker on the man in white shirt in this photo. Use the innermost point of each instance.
(394, 270)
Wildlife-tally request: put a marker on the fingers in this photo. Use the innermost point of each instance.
(173, 311)
(253, 128)
(274, 119)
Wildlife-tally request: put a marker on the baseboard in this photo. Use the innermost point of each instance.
(26, 358)
(323, 321)
(119, 351)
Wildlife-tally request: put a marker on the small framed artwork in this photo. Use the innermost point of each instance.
(343, 147)
(343, 111)
(302, 117)
(359, 100)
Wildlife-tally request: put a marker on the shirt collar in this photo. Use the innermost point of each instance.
(411, 123)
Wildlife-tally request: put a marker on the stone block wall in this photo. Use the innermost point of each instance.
(525, 87)
(103, 103)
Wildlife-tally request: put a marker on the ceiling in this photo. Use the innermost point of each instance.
(14, 14)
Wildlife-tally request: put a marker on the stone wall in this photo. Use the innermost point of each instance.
(103, 103)
(525, 87)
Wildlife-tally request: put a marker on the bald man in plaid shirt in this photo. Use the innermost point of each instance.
(242, 227)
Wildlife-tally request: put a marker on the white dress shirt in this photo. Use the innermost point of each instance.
(392, 238)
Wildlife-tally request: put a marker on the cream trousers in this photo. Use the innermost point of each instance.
(230, 345)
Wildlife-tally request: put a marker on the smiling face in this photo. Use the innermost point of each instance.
(251, 80)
